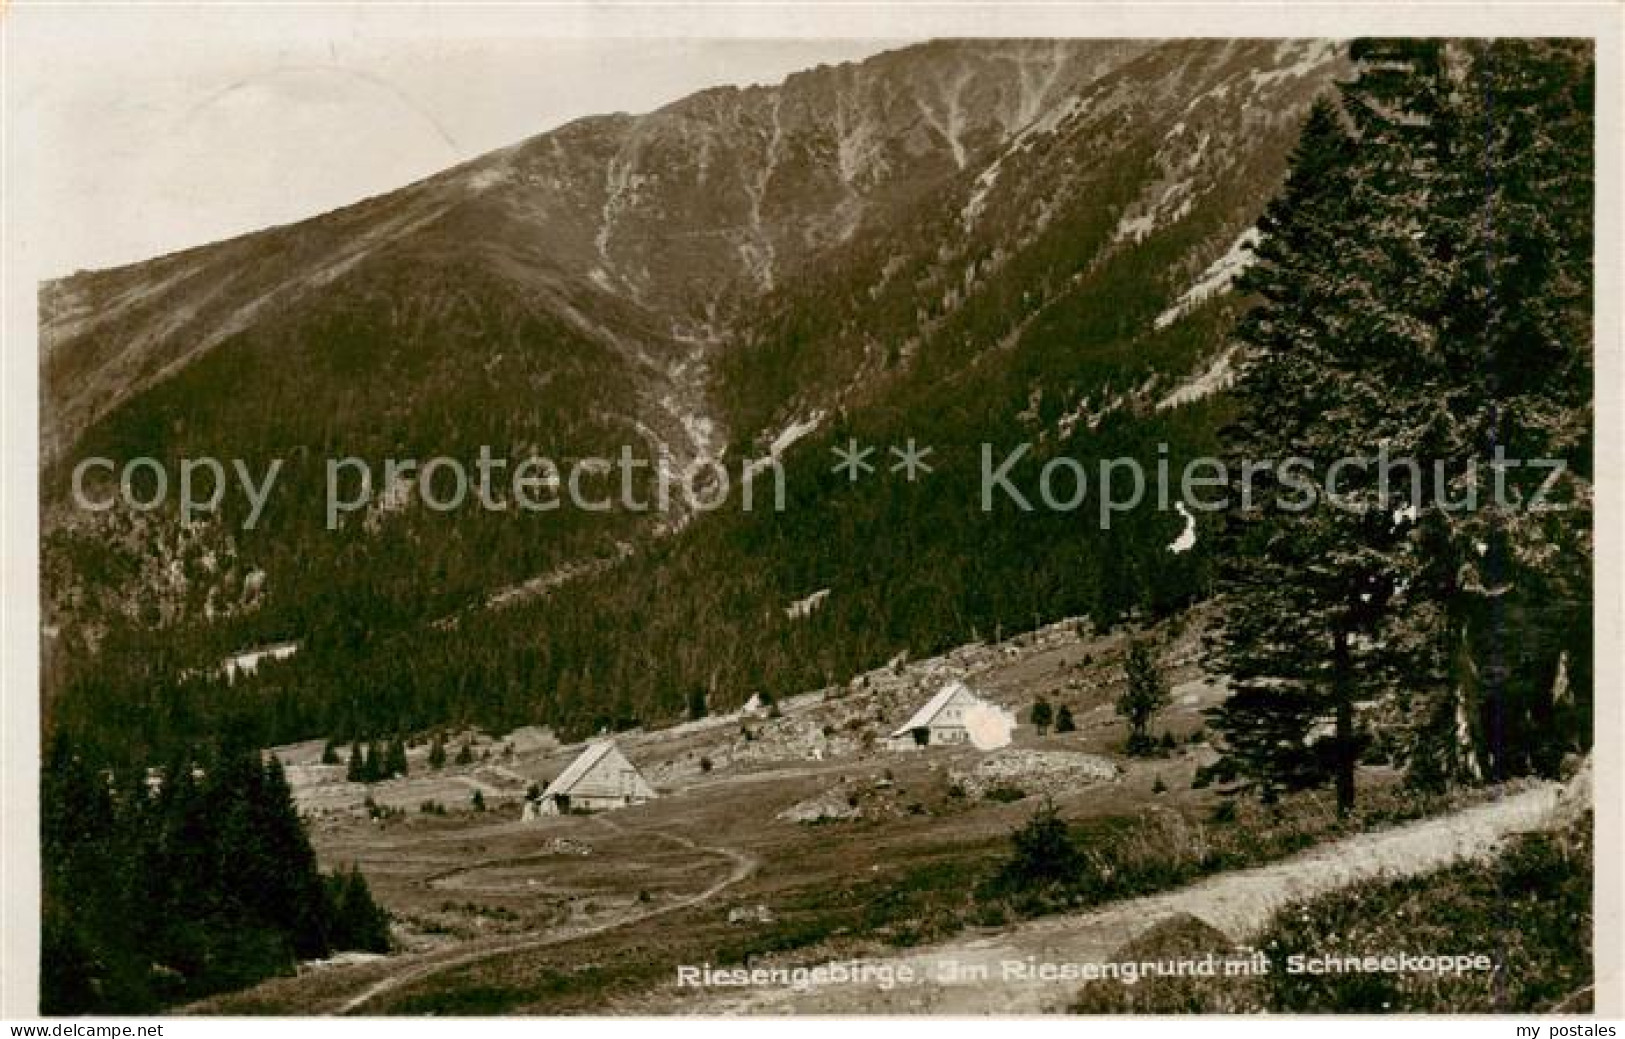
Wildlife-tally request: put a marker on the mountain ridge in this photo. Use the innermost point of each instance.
(980, 249)
(130, 316)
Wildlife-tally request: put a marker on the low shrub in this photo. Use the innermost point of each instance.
(1529, 909)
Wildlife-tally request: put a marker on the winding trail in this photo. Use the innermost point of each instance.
(415, 969)
(967, 975)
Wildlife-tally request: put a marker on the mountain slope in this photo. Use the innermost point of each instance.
(723, 193)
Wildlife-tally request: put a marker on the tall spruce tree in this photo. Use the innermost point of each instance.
(1424, 284)
(1478, 158)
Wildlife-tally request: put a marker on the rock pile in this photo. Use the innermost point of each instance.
(1034, 772)
(831, 806)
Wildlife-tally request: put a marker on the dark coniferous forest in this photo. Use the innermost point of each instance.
(163, 886)
(1422, 284)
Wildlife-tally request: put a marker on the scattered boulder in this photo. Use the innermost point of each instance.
(1178, 937)
(831, 806)
(1206, 689)
(348, 958)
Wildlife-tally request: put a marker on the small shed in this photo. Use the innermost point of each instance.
(601, 778)
(941, 720)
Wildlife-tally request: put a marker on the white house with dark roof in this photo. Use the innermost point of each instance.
(941, 720)
(599, 779)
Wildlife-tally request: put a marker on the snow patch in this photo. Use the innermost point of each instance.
(1110, 402)
(978, 197)
(786, 438)
(989, 727)
(1068, 422)
(804, 607)
(1045, 123)
(758, 254)
(951, 122)
(1218, 278)
(1187, 537)
(348, 958)
(794, 432)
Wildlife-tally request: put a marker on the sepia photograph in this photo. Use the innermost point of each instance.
(854, 516)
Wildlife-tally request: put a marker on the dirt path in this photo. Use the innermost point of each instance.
(411, 970)
(1239, 903)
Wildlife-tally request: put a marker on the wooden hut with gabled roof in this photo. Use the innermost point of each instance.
(601, 778)
(941, 720)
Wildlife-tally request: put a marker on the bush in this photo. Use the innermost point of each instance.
(355, 920)
(357, 772)
(1043, 852)
(1144, 694)
(150, 900)
(1163, 848)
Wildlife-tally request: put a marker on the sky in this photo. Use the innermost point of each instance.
(137, 149)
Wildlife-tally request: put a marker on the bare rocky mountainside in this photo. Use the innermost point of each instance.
(962, 240)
